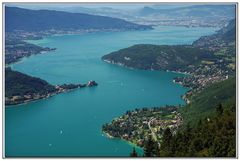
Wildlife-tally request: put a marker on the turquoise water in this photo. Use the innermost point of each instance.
(69, 124)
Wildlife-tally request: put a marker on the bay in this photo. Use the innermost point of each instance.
(69, 124)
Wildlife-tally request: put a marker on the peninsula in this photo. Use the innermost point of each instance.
(208, 60)
(21, 88)
(135, 126)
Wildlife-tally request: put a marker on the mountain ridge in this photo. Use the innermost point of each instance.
(40, 20)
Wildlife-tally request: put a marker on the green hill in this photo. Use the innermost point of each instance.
(20, 84)
(203, 104)
(159, 57)
(212, 137)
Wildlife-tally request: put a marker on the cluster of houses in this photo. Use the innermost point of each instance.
(201, 76)
(136, 126)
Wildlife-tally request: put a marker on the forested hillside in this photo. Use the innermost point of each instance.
(17, 83)
(203, 104)
(214, 136)
(22, 88)
(159, 57)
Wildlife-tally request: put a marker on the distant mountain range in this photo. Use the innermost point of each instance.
(192, 11)
(226, 35)
(185, 14)
(40, 20)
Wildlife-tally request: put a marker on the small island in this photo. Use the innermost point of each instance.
(21, 88)
(91, 83)
(137, 125)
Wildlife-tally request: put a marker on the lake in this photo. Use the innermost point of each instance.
(69, 124)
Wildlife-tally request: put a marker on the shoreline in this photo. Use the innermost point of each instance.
(169, 71)
(20, 60)
(82, 32)
(30, 40)
(35, 100)
(60, 89)
(122, 65)
(128, 142)
(93, 32)
(157, 116)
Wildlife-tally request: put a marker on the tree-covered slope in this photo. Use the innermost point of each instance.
(20, 84)
(203, 104)
(212, 137)
(209, 128)
(41, 20)
(159, 57)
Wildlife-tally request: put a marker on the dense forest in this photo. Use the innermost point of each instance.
(203, 103)
(214, 136)
(22, 88)
(159, 57)
(17, 83)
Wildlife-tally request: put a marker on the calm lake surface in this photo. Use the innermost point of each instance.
(69, 124)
